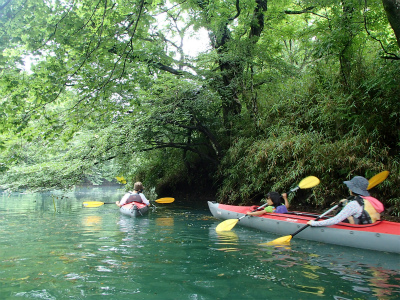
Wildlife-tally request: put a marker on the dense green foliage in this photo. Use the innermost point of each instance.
(285, 90)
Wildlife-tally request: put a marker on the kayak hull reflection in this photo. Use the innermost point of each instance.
(134, 209)
(380, 236)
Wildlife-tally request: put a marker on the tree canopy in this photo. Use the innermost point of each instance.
(91, 90)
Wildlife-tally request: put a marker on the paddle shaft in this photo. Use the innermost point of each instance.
(258, 208)
(372, 183)
(306, 183)
(321, 216)
(262, 206)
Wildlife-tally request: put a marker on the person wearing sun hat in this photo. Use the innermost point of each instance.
(359, 208)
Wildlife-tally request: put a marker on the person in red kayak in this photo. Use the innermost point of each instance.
(135, 196)
(274, 201)
(359, 208)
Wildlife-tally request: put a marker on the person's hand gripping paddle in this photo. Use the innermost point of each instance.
(377, 179)
(306, 183)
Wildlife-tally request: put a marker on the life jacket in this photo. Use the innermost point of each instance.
(133, 198)
(371, 210)
(375, 203)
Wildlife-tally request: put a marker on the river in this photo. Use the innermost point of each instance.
(51, 247)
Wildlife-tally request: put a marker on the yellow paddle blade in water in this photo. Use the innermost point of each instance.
(285, 240)
(309, 182)
(226, 225)
(165, 200)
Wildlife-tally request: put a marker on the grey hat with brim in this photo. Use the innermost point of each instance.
(358, 185)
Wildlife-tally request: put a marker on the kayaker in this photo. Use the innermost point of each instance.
(359, 208)
(274, 201)
(135, 196)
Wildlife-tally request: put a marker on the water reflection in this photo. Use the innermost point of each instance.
(165, 221)
(92, 222)
(80, 253)
(380, 282)
(309, 266)
(229, 240)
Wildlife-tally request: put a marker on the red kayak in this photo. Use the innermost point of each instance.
(134, 209)
(381, 235)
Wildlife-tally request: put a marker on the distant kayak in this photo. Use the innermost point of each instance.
(134, 209)
(380, 236)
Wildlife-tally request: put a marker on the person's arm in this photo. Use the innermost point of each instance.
(144, 199)
(123, 200)
(284, 196)
(256, 213)
(350, 209)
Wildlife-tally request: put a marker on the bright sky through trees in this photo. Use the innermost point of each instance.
(196, 42)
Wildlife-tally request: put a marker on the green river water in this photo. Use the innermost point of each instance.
(172, 253)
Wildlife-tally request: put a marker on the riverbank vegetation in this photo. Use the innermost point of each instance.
(92, 90)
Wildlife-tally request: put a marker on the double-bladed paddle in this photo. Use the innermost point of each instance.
(306, 183)
(98, 203)
(377, 179)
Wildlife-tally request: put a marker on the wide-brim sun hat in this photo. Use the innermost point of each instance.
(138, 186)
(358, 185)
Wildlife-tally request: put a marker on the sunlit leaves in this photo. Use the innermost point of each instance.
(110, 91)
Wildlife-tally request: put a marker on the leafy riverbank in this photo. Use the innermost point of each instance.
(280, 92)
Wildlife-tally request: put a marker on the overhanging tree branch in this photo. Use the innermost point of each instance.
(4, 4)
(237, 4)
(392, 56)
(298, 12)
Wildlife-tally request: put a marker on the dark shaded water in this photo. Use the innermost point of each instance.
(173, 253)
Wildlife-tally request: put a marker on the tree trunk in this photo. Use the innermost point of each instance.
(392, 8)
(346, 54)
(232, 68)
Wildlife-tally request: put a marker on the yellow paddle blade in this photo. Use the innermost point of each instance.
(165, 200)
(308, 182)
(226, 225)
(377, 179)
(285, 240)
(92, 204)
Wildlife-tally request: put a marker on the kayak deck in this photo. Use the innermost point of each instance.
(303, 218)
(134, 209)
(381, 236)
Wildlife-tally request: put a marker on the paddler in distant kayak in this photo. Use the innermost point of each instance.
(275, 205)
(359, 208)
(135, 196)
